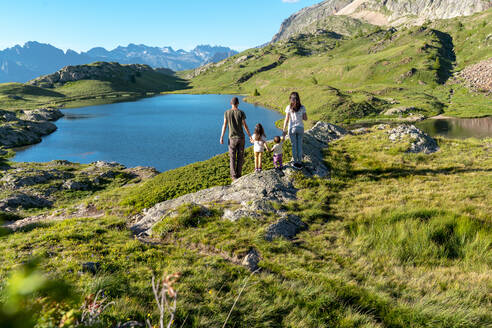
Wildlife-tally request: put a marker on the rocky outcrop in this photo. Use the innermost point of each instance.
(21, 200)
(420, 141)
(26, 127)
(25, 187)
(252, 195)
(301, 21)
(478, 77)
(41, 115)
(95, 71)
(390, 12)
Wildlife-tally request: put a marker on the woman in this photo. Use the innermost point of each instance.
(295, 114)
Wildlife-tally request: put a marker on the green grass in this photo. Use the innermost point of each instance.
(357, 78)
(394, 240)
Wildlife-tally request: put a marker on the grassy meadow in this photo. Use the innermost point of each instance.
(394, 240)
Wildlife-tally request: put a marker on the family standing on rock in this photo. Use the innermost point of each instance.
(235, 121)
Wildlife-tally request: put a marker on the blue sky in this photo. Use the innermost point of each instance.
(83, 24)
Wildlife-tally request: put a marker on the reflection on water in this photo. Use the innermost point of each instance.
(459, 128)
(79, 116)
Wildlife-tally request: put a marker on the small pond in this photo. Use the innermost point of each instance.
(458, 128)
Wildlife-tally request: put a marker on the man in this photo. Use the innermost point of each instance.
(235, 120)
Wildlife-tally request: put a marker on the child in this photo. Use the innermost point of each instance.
(259, 141)
(278, 152)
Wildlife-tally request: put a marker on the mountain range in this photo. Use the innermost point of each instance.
(23, 63)
(348, 17)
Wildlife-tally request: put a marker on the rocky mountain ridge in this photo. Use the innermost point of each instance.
(23, 63)
(382, 13)
(95, 71)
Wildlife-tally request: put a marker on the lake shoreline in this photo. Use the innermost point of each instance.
(183, 128)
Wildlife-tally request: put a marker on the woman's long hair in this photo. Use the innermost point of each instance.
(295, 102)
(259, 132)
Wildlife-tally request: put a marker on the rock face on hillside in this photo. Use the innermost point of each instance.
(389, 12)
(95, 71)
(251, 195)
(479, 76)
(26, 127)
(306, 17)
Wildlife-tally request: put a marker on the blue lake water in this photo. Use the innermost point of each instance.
(164, 132)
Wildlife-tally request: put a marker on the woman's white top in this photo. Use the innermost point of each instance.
(259, 145)
(295, 119)
(277, 148)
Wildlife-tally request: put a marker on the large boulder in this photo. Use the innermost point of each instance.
(421, 142)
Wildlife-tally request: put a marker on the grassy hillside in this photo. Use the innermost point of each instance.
(359, 78)
(394, 240)
(87, 92)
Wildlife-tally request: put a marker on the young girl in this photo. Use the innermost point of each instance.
(278, 152)
(259, 141)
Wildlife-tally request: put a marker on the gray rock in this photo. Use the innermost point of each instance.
(103, 164)
(21, 200)
(20, 178)
(77, 185)
(251, 260)
(265, 186)
(287, 227)
(399, 110)
(42, 114)
(234, 215)
(421, 141)
(360, 131)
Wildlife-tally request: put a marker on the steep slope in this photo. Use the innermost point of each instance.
(347, 79)
(300, 21)
(389, 12)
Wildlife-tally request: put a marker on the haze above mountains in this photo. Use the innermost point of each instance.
(23, 63)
